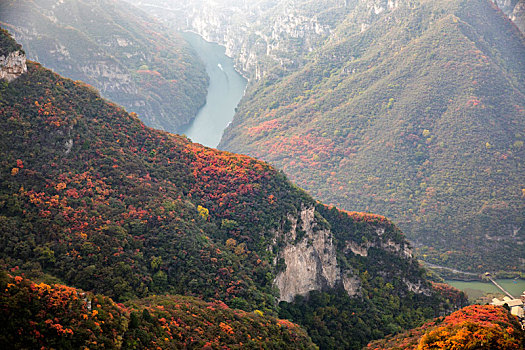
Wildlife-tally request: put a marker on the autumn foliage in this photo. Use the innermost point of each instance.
(39, 315)
(93, 198)
(473, 327)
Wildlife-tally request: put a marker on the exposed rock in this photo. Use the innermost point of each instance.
(518, 15)
(399, 249)
(357, 249)
(68, 146)
(12, 66)
(418, 288)
(351, 284)
(515, 10)
(311, 264)
(506, 5)
(310, 257)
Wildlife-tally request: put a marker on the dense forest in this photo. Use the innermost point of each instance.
(39, 315)
(128, 56)
(92, 198)
(473, 327)
(415, 112)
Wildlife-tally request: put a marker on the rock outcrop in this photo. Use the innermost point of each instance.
(518, 15)
(311, 263)
(13, 65)
(515, 10)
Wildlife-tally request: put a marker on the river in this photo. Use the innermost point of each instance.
(224, 92)
(476, 289)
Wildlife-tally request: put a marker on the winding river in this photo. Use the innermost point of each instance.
(224, 92)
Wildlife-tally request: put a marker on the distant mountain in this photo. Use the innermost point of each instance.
(473, 327)
(92, 198)
(118, 49)
(409, 109)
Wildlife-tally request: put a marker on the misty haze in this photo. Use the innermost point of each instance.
(281, 174)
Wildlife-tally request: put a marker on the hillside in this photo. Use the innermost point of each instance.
(128, 56)
(415, 112)
(92, 198)
(61, 317)
(473, 327)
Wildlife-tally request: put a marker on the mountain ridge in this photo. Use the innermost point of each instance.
(399, 119)
(93, 198)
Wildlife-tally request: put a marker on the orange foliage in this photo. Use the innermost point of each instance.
(473, 327)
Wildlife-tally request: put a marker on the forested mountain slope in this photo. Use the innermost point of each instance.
(39, 315)
(91, 197)
(473, 327)
(118, 49)
(416, 113)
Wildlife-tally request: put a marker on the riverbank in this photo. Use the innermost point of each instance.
(449, 273)
(477, 289)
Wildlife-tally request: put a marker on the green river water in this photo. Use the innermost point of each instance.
(476, 289)
(224, 92)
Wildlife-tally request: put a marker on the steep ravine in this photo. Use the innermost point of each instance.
(307, 257)
(259, 36)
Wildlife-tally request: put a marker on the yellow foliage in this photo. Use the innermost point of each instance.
(230, 243)
(203, 212)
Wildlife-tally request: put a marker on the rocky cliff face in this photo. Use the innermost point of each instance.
(258, 35)
(518, 15)
(311, 263)
(13, 65)
(515, 9)
(263, 35)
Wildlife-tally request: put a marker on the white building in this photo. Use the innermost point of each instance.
(516, 305)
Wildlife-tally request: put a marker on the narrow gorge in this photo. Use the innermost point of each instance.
(225, 90)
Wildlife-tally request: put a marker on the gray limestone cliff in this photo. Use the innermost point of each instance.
(264, 35)
(309, 258)
(13, 65)
(311, 261)
(515, 10)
